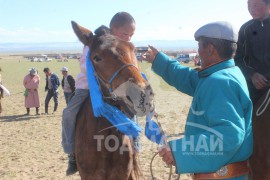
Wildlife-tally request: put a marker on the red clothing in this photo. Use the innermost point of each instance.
(31, 84)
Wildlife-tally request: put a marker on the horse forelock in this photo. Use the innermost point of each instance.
(117, 47)
(109, 42)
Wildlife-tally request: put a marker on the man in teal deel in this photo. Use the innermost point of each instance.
(218, 133)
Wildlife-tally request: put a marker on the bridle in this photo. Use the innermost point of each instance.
(108, 84)
(113, 99)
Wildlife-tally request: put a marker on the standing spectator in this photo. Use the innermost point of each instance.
(253, 52)
(31, 83)
(52, 84)
(68, 84)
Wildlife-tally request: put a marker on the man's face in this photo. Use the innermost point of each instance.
(258, 9)
(203, 53)
(64, 73)
(47, 73)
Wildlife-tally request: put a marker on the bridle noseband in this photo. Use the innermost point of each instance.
(116, 73)
(109, 83)
(113, 99)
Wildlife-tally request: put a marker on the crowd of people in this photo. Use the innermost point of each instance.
(31, 84)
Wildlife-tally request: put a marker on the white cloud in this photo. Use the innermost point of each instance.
(164, 33)
(22, 35)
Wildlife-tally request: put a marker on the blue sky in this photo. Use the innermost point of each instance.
(28, 21)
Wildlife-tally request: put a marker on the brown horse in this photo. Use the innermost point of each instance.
(102, 152)
(260, 160)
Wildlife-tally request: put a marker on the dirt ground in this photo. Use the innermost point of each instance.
(31, 145)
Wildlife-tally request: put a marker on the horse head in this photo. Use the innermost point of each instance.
(117, 70)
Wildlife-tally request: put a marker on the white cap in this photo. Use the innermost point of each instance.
(218, 30)
(33, 71)
(64, 69)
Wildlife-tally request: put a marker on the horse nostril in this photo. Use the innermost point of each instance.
(129, 98)
(148, 87)
(131, 80)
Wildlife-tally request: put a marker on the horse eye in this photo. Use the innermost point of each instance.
(96, 58)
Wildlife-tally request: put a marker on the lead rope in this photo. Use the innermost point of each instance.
(266, 101)
(165, 140)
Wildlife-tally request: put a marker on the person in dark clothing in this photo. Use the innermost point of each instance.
(68, 84)
(253, 52)
(52, 84)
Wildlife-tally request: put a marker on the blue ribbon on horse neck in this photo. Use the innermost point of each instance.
(113, 114)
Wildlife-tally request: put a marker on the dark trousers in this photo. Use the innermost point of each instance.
(68, 96)
(51, 94)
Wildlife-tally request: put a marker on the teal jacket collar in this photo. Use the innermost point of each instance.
(216, 67)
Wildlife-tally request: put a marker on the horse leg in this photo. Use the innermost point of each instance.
(91, 153)
(83, 139)
(121, 159)
(102, 152)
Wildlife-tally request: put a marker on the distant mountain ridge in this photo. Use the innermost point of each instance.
(40, 47)
(166, 45)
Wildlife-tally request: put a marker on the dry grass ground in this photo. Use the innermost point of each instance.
(31, 145)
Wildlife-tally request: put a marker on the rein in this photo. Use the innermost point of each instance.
(264, 104)
(165, 141)
(109, 83)
(117, 72)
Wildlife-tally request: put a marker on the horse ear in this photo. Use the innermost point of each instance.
(84, 35)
